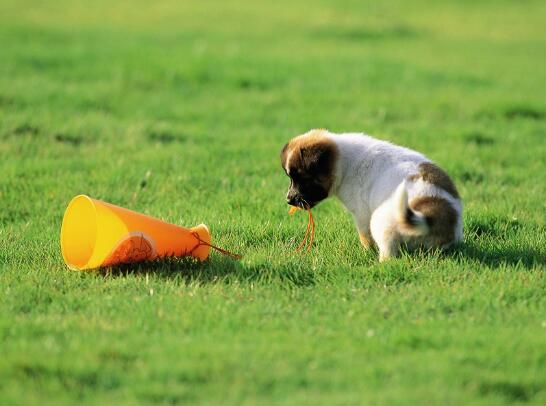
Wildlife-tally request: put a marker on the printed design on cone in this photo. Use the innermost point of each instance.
(135, 247)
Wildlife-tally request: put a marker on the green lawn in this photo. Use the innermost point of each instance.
(179, 110)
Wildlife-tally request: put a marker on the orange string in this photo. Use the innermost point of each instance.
(312, 221)
(309, 236)
(220, 250)
(304, 241)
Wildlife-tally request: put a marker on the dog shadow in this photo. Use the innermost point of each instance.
(527, 257)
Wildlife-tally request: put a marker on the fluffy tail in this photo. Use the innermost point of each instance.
(410, 222)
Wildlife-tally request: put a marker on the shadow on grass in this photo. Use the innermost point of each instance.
(216, 269)
(527, 257)
(222, 269)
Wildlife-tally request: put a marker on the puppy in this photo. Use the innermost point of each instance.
(396, 195)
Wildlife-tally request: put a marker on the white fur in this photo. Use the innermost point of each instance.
(370, 181)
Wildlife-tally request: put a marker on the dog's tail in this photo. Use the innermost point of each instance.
(410, 222)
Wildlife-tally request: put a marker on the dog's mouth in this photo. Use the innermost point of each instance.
(301, 203)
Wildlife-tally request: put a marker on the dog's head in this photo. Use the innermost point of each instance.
(309, 160)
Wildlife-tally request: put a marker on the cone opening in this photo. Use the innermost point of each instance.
(79, 232)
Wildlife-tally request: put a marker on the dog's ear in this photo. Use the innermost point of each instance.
(308, 157)
(316, 158)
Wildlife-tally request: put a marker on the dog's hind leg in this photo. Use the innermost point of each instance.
(388, 249)
(385, 233)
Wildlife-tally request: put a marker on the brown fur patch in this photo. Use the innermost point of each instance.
(310, 139)
(312, 155)
(441, 218)
(435, 175)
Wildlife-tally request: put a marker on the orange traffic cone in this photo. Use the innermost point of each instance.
(96, 234)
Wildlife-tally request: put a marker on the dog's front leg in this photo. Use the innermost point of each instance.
(365, 240)
(363, 226)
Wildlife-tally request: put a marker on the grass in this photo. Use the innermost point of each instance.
(179, 110)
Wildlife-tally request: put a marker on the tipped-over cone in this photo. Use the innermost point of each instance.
(96, 234)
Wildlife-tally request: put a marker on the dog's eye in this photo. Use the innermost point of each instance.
(303, 180)
(297, 176)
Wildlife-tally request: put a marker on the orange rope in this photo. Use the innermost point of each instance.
(309, 236)
(312, 220)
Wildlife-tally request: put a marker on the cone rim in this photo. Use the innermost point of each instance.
(203, 251)
(67, 218)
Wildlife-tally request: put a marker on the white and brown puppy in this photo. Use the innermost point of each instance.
(396, 195)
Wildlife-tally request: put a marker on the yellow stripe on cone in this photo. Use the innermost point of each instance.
(96, 234)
